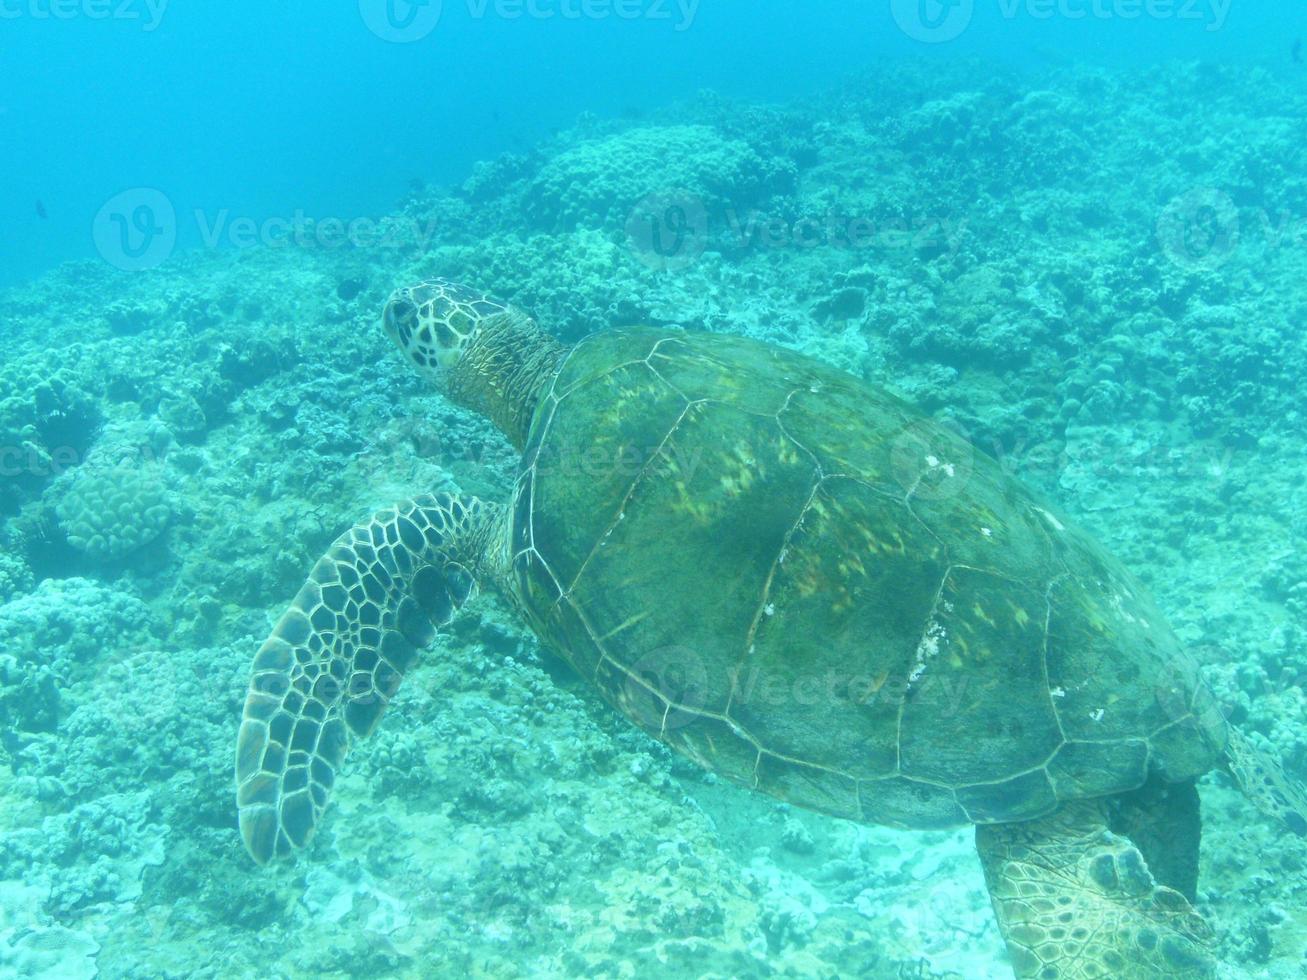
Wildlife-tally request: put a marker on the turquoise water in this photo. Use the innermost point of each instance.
(1075, 235)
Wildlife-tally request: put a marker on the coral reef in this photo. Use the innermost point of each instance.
(47, 422)
(596, 183)
(55, 636)
(15, 577)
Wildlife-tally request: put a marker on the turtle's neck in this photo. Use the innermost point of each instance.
(505, 371)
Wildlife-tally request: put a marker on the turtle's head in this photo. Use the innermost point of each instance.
(482, 354)
(434, 322)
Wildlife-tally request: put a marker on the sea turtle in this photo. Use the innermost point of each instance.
(803, 584)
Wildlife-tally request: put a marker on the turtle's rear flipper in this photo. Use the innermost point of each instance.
(1164, 820)
(1266, 784)
(1074, 901)
(337, 656)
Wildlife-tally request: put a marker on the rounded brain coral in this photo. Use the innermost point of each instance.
(109, 512)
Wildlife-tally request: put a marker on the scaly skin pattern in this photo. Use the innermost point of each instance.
(338, 654)
(1076, 902)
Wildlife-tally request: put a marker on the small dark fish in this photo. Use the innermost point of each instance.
(40, 211)
(1295, 51)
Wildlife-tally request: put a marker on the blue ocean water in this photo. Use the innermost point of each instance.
(795, 433)
(250, 110)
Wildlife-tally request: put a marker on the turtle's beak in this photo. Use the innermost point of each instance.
(400, 319)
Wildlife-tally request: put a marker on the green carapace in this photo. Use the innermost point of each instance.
(804, 585)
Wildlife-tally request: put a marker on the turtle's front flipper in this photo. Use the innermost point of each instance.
(1266, 784)
(337, 656)
(1076, 901)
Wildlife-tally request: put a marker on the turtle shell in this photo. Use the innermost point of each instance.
(801, 583)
